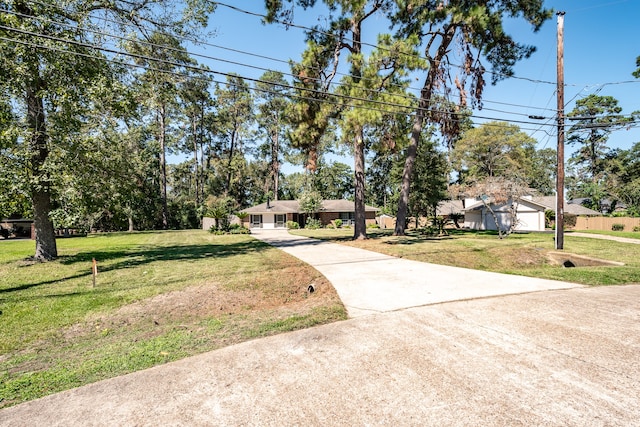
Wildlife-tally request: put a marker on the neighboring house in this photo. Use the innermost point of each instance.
(17, 227)
(570, 207)
(447, 208)
(276, 213)
(529, 214)
(605, 204)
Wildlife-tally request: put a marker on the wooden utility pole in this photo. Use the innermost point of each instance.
(560, 169)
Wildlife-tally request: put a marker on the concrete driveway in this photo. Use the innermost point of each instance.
(566, 357)
(369, 282)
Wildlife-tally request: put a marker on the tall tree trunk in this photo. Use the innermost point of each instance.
(46, 248)
(360, 226)
(163, 165)
(275, 164)
(40, 186)
(232, 146)
(195, 160)
(407, 172)
(421, 114)
(200, 197)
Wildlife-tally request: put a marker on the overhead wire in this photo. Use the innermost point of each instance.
(411, 109)
(294, 25)
(291, 24)
(115, 52)
(198, 42)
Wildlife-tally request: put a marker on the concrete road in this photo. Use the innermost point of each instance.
(560, 357)
(556, 358)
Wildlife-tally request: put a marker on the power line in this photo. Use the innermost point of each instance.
(224, 60)
(410, 110)
(198, 42)
(191, 67)
(291, 24)
(199, 69)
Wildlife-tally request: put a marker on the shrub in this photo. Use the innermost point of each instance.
(570, 220)
(292, 225)
(313, 224)
(636, 228)
(338, 223)
(549, 218)
(238, 229)
(617, 227)
(231, 229)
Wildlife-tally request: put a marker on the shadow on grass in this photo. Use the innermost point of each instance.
(138, 256)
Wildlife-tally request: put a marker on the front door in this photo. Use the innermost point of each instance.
(281, 220)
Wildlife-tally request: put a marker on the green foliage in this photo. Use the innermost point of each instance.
(570, 220)
(238, 229)
(310, 202)
(271, 97)
(596, 117)
(493, 149)
(60, 160)
(337, 223)
(234, 116)
(220, 209)
(636, 228)
(334, 180)
(292, 225)
(85, 334)
(313, 224)
(549, 217)
(617, 227)
(430, 179)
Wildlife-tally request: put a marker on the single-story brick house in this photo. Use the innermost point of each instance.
(276, 213)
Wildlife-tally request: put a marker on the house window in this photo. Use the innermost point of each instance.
(348, 218)
(256, 221)
(281, 220)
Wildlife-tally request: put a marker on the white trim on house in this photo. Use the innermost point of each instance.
(529, 214)
(276, 213)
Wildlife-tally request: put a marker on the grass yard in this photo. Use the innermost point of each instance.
(524, 254)
(159, 297)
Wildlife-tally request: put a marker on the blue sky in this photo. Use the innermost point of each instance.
(600, 52)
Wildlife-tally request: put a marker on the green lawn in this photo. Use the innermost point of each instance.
(159, 297)
(524, 254)
(626, 234)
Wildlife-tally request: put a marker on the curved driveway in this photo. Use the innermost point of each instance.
(369, 282)
(564, 357)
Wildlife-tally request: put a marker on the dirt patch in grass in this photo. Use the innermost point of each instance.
(152, 313)
(208, 301)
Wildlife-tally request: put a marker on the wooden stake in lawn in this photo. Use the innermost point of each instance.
(94, 270)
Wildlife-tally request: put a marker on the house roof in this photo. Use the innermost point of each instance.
(525, 200)
(342, 205)
(571, 208)
(275, 206)
(449, 207)
(293, 206)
